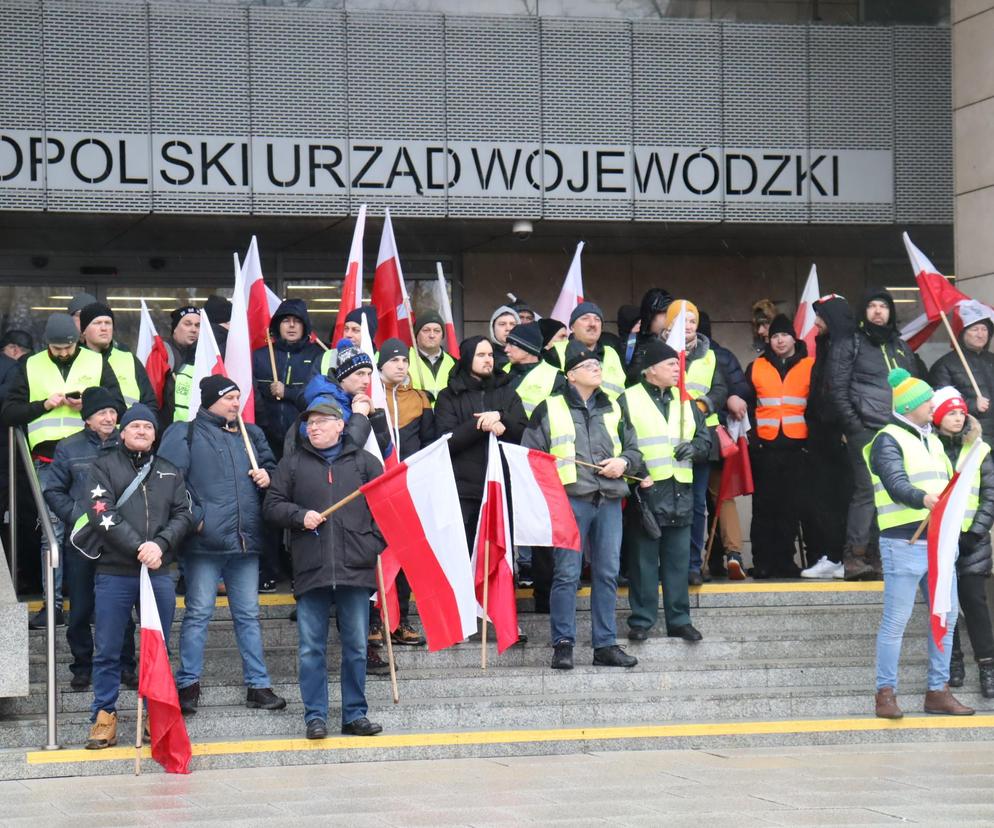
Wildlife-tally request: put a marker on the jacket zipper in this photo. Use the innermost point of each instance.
(238, 505)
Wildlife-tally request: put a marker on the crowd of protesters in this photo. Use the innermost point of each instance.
(849, 448)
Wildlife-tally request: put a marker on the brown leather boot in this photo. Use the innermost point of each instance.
(944, 702)
(887, 704)
(103, 734)
(857, 565)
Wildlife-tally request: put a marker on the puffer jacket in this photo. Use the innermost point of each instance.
(593, 444)
(974, 544)
(411, 416)
(295, 363)
(343, 550)
(672, 502)
(224, 497)
(948, 370)
(159, 510)
(67, 488)
(858, 369)
(822, 415)
(321, 385)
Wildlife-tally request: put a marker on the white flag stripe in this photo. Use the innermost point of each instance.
(432, 486)
(572, 291)
(388, 250)
(376, 392)
(914, 326)
(146, 335)
(532, 521)
(677, 337)
(272, 300)
(238, 350)
(355, 255)
(809, 296)
(204, 360)
(919, 261)
(149, 610)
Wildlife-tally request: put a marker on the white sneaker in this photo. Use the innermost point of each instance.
(825, 569)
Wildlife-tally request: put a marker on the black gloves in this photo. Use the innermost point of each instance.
(684, 451)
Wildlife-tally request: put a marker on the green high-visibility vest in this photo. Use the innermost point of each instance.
(122, 364)
(329, 360)
(612, 371)
(928, 469)
(182, 389)
(535, 386)
(423, 379)
(658, 436)
(45, 379)
(973, 499)
(562, 435)
(700, 376)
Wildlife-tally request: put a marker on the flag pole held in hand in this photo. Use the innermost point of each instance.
(343, 502)
(272, 356)
(248, 443)
(138, 737)
(385, 617)
(486, 601)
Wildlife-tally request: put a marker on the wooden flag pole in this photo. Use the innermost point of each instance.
(920, 529)
(626, 476)
(711, 534)
(138, 738)
(272, 356)
(486, 601)
(343, 502)
(959, 353)
(248, 443)
(385, 616)
(414, 343)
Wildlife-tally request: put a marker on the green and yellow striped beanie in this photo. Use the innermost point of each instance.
(909, 392)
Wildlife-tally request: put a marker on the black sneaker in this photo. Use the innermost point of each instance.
(361, 727)
(376, 666)
(317, 729)
(189, 698)
(562, 657)
(263, 698)
(181, 586)
(129, 680)
(80, 681)
(613, 656)
(638, 634)
(267, 585)
(40, 618)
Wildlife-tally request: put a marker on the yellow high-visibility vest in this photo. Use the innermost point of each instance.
(45, 379)
(658, 436)
(612, 371)
(562, 435)
(535, 386)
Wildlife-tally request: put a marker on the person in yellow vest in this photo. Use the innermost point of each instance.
(708, 387)
(908, 471)
(45, 397)
(781, 383)
(182, 349)
(351, 330)
(96, 322)
(586, 324)
(958, 432)
(532, 379)
(430, 364)
(671, 437)
(585, 426)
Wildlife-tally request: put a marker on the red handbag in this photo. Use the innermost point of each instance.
(727, 446)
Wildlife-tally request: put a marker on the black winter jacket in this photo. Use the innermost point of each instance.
(343, 550)
(224, 496)
(948, 370)
(466, 395)
(974, 544)
(159, 510)
(67, 490)
(822, 414)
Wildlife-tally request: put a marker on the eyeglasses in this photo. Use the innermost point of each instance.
(589, 365)
(320, 421)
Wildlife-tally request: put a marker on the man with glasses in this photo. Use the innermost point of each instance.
(595, 448)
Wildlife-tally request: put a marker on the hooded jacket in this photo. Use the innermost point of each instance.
(858, 368)
(822, 413)
(295, 363)
(974, 544)
(948, 370)
(323, 386)
(500, 357)
(466, 395)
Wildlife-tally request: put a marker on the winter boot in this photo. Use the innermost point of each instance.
(957, 669)
(986, 666)
(857, 565)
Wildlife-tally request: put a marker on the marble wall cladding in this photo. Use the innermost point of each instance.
(13, 638)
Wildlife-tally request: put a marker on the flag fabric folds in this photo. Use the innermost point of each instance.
(352, 286)
(542, 514)
(170, 741)
(151, 352)
(937, 292)
(445, 311)
(238, 350)
(206, 361)
(736, 471)
(571, 294)
(493, 529)
(677, 340)
(389, 292)
(804, 319)
(416, 506)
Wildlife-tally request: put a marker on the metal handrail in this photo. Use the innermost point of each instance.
(20, 440)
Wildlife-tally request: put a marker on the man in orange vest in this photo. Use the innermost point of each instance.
(781, 381)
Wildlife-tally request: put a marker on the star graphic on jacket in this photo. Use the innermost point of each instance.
(100, 507)
(107, 521)
(99, 491)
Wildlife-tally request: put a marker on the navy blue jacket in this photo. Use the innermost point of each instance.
(738, 384)
(67, 491)
(224, 496)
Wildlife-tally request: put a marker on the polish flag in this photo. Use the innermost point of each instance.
(571, 294)
(238, 352)
(170, 742)
(258, 298)
(542, 514)
(151, 352)
(494, 528)
(445, 311)
(389, 292)
(965, 313)
(804, 319)
(377, 393)
(937, 292)
(352, 287)
(677, 340)
(206, 362)
(416, 507)
(736, 471)
(944, 526)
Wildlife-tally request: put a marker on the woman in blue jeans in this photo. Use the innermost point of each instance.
(334, 560)
(909, 470)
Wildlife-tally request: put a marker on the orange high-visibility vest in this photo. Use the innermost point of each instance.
(780, 403)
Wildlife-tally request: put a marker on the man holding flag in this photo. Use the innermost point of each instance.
(909, 472)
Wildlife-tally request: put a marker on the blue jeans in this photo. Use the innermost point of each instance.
(600, 529)
(702, 473)
(352, 614)
(115, 596)
(241, 579)
(80, 574)
(905, 572)
(60, 535)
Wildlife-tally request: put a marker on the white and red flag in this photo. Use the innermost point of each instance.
(170, 742)
(542, 514)
(945, 524)
(445, 311)
(206, 362)
(258, 298)
(493, 544)
(389, 292)
(804, 319)
(937, 292)
(151, 352)
(238, 350)
(677, 340)
(736, 471)
(377, 393)
(352, 286)
(571, 294)
(416, 507)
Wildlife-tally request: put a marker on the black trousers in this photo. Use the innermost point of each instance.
(778, 505)
(830, 485)
(972, 591)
